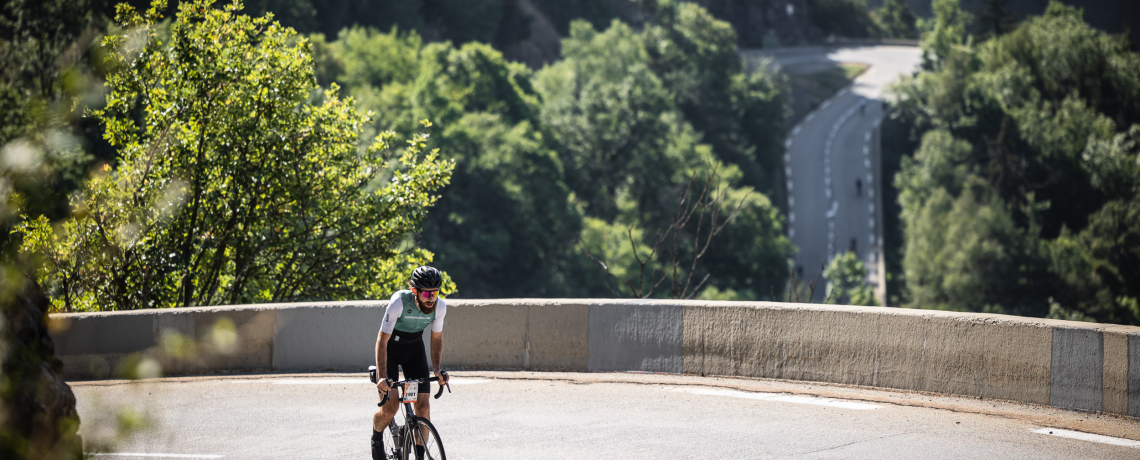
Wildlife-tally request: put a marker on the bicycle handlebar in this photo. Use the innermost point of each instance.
(401, 383)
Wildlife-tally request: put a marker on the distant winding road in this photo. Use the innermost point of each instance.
(829, 151)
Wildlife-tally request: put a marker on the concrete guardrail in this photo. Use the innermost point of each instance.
(1064, 364)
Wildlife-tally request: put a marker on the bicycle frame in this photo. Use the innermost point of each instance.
(399, 431)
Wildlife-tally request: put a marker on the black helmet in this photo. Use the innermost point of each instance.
(425, 277)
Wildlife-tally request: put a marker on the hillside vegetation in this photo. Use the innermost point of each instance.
(1022, 195)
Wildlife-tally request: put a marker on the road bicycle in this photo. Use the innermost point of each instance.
(401, 441)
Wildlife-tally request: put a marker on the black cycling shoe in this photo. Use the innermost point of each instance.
(419, 452)
(378, 450)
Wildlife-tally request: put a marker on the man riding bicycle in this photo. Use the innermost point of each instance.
(400, 343)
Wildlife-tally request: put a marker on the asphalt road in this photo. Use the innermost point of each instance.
(832, 162)
(521, 415)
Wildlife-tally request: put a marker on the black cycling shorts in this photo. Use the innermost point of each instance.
(410, 355)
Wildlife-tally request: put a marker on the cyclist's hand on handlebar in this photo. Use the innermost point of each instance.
(382, 386)
(442, 376)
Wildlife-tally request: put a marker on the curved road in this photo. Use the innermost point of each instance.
(528, 415)
(832, 148)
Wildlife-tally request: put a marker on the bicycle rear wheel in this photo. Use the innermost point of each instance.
(422, 433)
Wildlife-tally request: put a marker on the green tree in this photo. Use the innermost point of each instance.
(739, 114)
(846, 277)
(631, 156)
(994, 18)
(942, 33)
(507, 223)
(1016, 198)
(895, 20)
(48, 76)
(845, 18)
(231, 188)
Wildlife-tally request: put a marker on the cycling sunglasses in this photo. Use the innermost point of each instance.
(428, 294)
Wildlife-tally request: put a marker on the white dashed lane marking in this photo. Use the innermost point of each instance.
(1089, 437)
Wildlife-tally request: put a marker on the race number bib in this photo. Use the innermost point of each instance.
(411, 391)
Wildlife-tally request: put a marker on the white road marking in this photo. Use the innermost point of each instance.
(141, 454)
(466, 381)
(841, 92)
(792, 217)
(339, 381)
(871, 223)
(320, 381)
(791, 201)
(788, 143)
(312, 381)
(787, 157)
(867, 136)
(836, 403)
(796, 130)
(871, 208)
(871, 192)
(788, 170)
(1089, 437)
(792, 233)
(871, 239)
(866, 163)
(810, 116)
(825, 104)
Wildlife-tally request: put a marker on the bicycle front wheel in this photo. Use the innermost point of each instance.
(421, 441)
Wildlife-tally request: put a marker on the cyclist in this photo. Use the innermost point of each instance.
(400, 343)
(862, 105)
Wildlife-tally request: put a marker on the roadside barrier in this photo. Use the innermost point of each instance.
(1064, 364)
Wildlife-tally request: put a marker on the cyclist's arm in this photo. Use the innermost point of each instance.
(437, 354)
(382, 358)
(391, 313)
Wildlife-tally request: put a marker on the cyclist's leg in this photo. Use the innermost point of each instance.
(417, 367)
(380, 419)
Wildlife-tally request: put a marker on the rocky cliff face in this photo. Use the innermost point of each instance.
(37, 416)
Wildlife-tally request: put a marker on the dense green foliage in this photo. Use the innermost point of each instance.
(895, 20)
(555, 165)
(846, 277)
(200, 202)
(47, 79)
(628, 108)
(230, 187)
(843, 18)
(1022, 196)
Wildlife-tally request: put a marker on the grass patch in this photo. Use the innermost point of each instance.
(853, 69)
